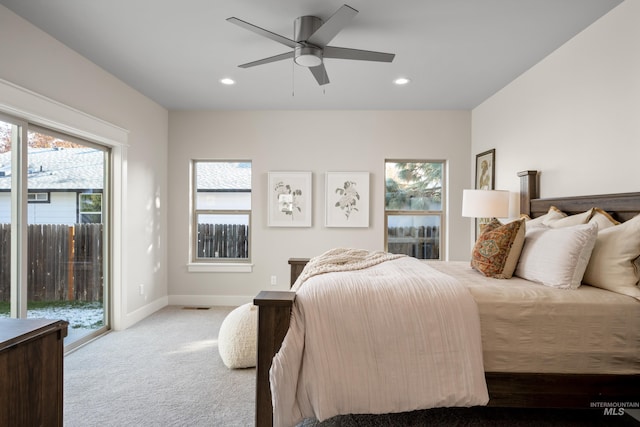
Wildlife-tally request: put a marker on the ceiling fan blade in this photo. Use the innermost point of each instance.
(265, 33)
(357, 54)
(268, 60)
(332, 26)
(320, 73)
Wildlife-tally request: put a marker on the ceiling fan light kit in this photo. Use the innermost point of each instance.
(303, 29)
(308, 56)
(310, 43)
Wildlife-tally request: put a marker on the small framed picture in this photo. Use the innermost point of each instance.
(347, 199)
(486, 170)
(485, 173)
(289, 199)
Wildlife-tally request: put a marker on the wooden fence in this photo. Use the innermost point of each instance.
(65, 263)
(419, 242)
(223, 241)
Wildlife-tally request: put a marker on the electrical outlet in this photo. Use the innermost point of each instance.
(141, 288)
(274, 280)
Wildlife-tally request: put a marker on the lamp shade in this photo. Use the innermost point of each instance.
(485, 203)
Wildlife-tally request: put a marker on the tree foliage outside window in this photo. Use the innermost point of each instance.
(90, 208)
(413, 185)
(36, 140)
(91, 203)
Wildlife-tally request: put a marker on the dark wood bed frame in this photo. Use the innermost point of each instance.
(527, 390)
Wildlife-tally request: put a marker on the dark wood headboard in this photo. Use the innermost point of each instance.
(621, 206)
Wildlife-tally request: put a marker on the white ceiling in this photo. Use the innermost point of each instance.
(457, 53)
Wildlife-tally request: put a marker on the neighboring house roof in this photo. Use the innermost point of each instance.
(58, 169)
(69, 169)
(221, 176)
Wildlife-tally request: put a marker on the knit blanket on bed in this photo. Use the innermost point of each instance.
(342, 259)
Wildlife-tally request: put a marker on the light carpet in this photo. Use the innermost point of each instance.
(163, 371)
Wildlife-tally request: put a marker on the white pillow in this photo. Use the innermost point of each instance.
(552, 214)
(603, 219)
(557, 257)
(614, 263)
(571, 220)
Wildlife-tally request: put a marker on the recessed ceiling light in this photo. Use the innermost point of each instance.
(227, 81)
(401, 81)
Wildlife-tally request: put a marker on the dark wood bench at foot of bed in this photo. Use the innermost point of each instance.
(526, 390)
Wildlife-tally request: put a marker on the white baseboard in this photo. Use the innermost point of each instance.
(210, 300)
(131, 319)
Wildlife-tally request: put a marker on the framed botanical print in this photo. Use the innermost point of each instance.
(347, 199)
(289, 199)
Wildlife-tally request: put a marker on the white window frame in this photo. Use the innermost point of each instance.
(36, 108)
(441, 214)
(227, 265)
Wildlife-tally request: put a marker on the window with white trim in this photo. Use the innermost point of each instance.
(221, 201)
(415, 207)
(90, 208)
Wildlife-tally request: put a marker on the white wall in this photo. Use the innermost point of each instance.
(33, 60)
(575, 116)
(316, 141)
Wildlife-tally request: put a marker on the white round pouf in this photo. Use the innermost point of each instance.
(238, 336)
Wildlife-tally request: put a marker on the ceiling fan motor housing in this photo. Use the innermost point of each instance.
(303, 28)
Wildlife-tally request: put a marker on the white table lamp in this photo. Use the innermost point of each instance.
(485, 203)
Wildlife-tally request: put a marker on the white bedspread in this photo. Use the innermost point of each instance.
(394, 337)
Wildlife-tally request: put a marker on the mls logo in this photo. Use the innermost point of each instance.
(614, 411)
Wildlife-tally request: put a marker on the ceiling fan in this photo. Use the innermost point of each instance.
(310, 43)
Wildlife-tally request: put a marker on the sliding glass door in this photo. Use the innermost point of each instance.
(58, 196)
(10, 217)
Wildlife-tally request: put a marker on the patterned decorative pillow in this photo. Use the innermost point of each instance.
(498, 248)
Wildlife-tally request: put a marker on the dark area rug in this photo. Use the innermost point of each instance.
(483, 417)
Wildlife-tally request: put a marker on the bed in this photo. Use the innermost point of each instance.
(613, 376)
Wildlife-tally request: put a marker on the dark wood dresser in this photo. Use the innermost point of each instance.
(31, 365)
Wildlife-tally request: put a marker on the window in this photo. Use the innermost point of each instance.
(414, 207)
(38, 197)
(90, 205)
(222, 211)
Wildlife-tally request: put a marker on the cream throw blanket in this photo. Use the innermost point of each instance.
(342, 259)
(396, 336)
